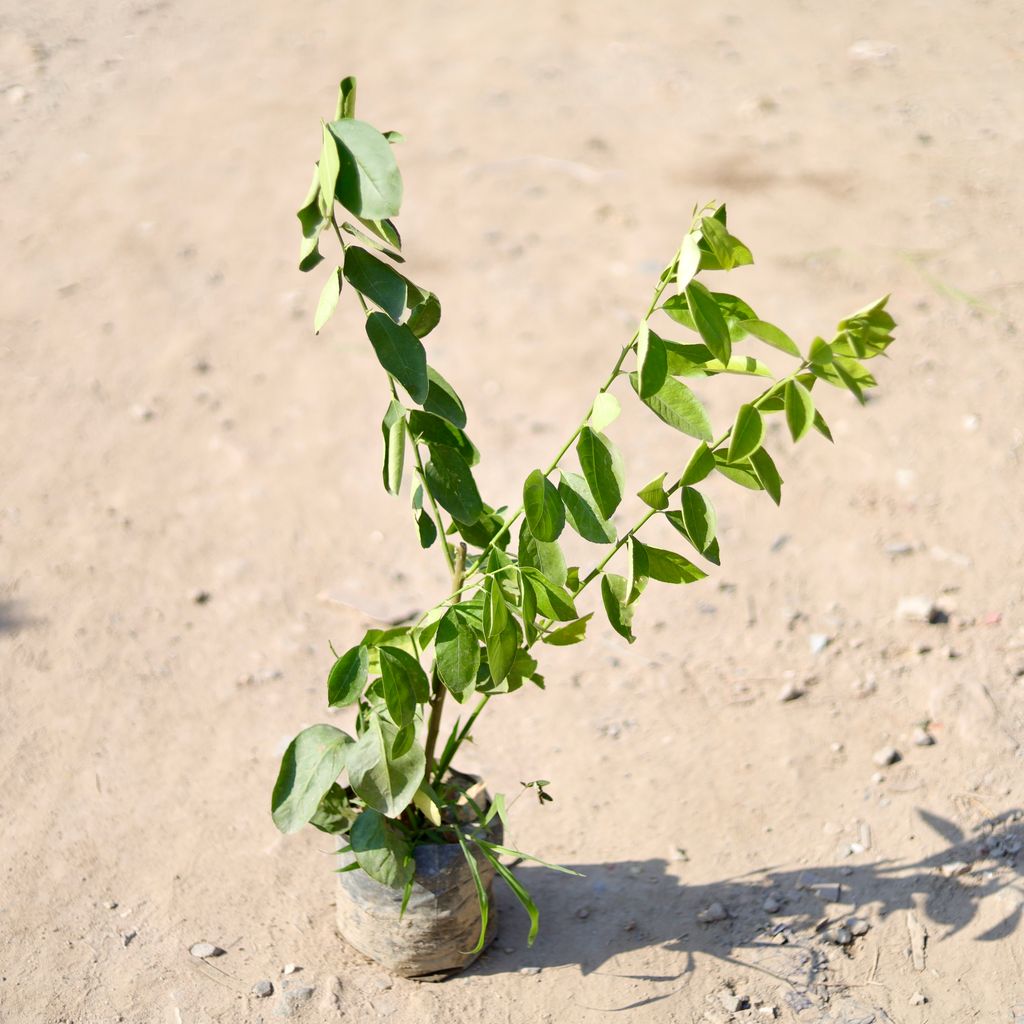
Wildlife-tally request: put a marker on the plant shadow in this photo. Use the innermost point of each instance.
(630, 906)
(13, 618)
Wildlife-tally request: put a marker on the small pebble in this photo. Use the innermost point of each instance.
(263, 989)
(199, 596)
(839, 936)
(818, 642)
(918, 999)
(919, 609)
(126, 937)
(954, 869)
(921, 737)
(732, 1002)
(716, 912)
(829, 892)
(583, 913)
(771, 905)
(790, 691)
(290, 968)
(202, 950)
(858, 926)
(768, 1012)
(872, 51)
(111, 904)
(629, 926)
(899, 550)
(529, 970)
(886, 756)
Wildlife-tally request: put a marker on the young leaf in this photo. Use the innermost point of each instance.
(638, 575)
(375, 280)
(543, 555)
(501, 651)
(381, 850)
(382, 781)
(699, 519)
(313, 760)
(700, 466)
(393, 429)
(443, 401)
(328, 300)
(518, 891)
(424, 312)
(741, 472)
(728, 250)
(675, 519)
(405, 684)
(544, 509)
(616, 605)
(581, 510)
(483, 900)
(668, 567)
(347, 677)
(309, 254)
(689, 261)
(676, 405)
(604, 411)
(747, 433)
(767, 474)
(799, 409)
(458, 654)
(451, 482)
(602, 469)
(401, 353)
(653, 494)
(822, 427)
(368, 182)
(552, 601)
(311, 215)
(820, 352)
(495, 610)
(328, 169)
(708, 319)
(651, 361)
(334, 814)
(346, 98)
(770, 335)
(435, 430)
(573, 633)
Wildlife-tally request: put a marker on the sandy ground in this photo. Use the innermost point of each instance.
(171, 425)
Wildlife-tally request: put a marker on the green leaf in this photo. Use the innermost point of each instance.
(822, 427)
(708, 319)
(347, 677)
(435, 430)
(741, 472)
(442, 400)
(483, 900)
(401, 353)
(581, 510)
(376, 280)
(385, 783)
(799, 409)
(309, 254)
(311, 215)
(381, 850)
(424, 311)
(543, 555)
(604, 411)
(369, 184)
(393, 429)
(767, 474)
(346, 98)
(328, 300)
(638, 575)
(820, 352)
(615, 597)
(689, 261)
(676, 405)
(700, 466)
(481, 533)
(426, 528)
(501, 651)
(602, 469)
(653, 494)
(328, 170)
(495, 610)
(518, 891)
(747, 433)
(458, 654)
(313, 760)
(675, 519)
(651, 361)
(385, 230)
(552, 601)
(544, 509)
(668, 567)
(771, 335)
(728, 250)
(334, 814)
(699, 518)
(573, 633)
(405, 684)
(451, 482)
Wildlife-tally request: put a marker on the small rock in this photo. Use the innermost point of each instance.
(771, 905)
(126, 937)
(583, 913)
(836, 748)
(768, 1012)
(629, 926)
(790, 691)
(290, 968)
(899, 550)
(263, 989)
(383, 982)
(203, 950)
(529, 970)
(199, 596)
(872, 51)
(332, 995)
(716, 912)
(919, 609)
(954, 868)
(877, 778)
(918, 999)
(731, 1002)
(839, 936)
(828, 892)
(886, 756)
(292, 998)
(858, 926)
(111, 904)
(818, 642)
(921, 737)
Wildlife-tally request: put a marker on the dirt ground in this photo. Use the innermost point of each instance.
(171, 426)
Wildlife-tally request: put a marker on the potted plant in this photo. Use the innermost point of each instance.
(420, 842)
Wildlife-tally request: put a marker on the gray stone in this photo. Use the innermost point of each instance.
(921, 737)
(263, 989)
(126, 937)
(290, 968)
(916, 608)
(111, 904)
(918, 999)
(858, 926)
(839, 936)
(203, 950)
(954, 869)
(529, 970)
(828, 892)
(818, 642)
(730, 1001)
(715, 912)
(790, 691)
(886, 756)
(293, 999)
(771, 905)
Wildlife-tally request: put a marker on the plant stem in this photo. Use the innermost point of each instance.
(439, 690)
(463, 733)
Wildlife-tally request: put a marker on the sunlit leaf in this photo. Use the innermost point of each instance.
(401, 353)
(347, 677)
(602, 469)
(544, 509)
(368, 181)
(747, 433)
(313, 760)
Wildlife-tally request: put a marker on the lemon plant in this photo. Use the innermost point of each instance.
(389, 787)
